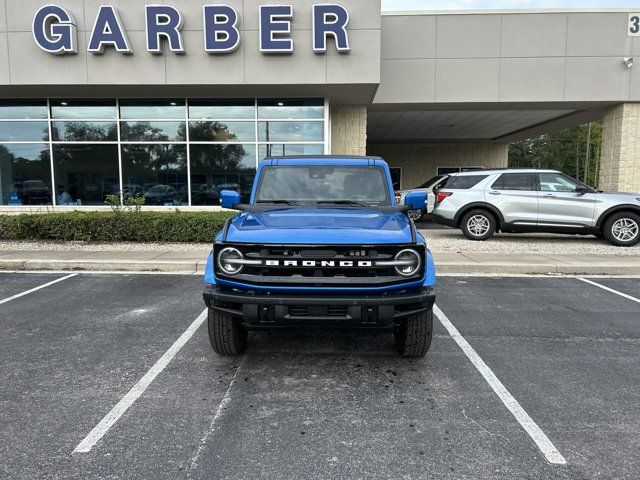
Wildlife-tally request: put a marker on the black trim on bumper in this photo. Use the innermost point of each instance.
(449, 222)
(280, 310)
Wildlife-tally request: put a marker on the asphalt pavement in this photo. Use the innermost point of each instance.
(317, 404)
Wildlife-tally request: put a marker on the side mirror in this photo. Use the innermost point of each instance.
(416, 200)
(229, 199)
(582, 190)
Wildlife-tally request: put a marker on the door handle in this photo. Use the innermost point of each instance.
(549, 195)
(495, 193)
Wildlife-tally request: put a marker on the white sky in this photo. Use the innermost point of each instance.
(479, 4)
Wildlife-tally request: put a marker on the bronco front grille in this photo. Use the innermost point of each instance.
(320, 265)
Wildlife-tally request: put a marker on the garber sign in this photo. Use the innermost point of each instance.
(55, 30)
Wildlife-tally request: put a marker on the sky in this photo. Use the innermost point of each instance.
(502, 4)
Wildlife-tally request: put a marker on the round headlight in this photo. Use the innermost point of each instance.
(227, 260)
(410, 263)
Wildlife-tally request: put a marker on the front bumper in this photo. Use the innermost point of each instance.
(260, 310)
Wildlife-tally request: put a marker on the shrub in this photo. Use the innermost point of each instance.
(114, 226)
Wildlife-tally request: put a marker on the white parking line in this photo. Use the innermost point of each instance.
(526, 422)
(138, 389)
(633, 299)
(37, 288)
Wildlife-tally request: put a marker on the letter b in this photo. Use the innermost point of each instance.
(221, 34)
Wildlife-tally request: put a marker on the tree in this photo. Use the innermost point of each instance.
(574, 151)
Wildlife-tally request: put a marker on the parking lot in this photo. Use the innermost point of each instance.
(318, 404)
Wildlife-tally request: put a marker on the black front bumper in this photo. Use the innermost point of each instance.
(259, 310)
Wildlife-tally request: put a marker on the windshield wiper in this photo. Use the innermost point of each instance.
(280, 202)
(341, 202)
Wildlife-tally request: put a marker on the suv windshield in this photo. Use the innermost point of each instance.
(324, 184)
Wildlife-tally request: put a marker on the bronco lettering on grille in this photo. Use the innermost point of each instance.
(319, 263)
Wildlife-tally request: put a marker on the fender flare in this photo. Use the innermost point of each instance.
(617, 208)
(483, 205)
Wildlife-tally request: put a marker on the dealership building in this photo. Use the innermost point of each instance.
(177, 101)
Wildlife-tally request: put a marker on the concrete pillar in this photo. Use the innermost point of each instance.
(620, 160)
(348, 129)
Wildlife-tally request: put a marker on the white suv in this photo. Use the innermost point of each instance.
(532, 200)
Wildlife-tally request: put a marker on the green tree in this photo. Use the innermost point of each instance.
(575, 151)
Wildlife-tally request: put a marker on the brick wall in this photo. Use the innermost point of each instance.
(620, 164)
(348, 129)
(419, 162)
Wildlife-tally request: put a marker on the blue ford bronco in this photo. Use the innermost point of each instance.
(321, 243)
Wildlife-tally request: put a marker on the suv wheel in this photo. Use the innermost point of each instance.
(226, 333)
(413, 335)
(622, 229)
(478, 225)
(415, 215)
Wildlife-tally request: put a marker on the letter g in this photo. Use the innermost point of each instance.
(54, 30)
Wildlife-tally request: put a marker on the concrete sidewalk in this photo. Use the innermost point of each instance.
(195, 261)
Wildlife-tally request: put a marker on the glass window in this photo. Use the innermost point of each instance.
(312, 108)
(157, 172)
(513, 181)
(324, 184)
(152, 110)
(25, 174)
(222, 110)
(555, 182)
(84, 131)
(82, 109)
(464, 182)
(153, 131)
(24, 131)
(291, 131)
(221, 167)
(85, 174)
(23, 110)
(281, 150)
(222, 132)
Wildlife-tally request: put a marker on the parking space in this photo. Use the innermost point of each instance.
(316, 404)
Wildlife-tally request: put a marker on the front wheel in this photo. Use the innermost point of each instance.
(478, 225)
(622, 229)
(226, 333)
(413, 335)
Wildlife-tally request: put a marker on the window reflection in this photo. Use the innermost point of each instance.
(290, 131)
(222, 132)
(152, 110)
(23, 110)
(156, 172)
(85, 174)
(83, 110)
(281, 150)
(221, 167)
(25, 175)
(153, 131)
(311, 108)
(221, 110)
(24, 131)
(84, 131)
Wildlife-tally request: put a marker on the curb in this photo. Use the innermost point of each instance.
(191, 267)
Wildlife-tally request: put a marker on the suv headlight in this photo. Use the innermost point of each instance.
(228, 260)
(410, 262)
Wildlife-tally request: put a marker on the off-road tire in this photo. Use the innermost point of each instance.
(226, 333)
(413, 335)
(607, 229)
(478, 213)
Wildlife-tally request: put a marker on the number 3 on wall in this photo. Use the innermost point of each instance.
(634, 25)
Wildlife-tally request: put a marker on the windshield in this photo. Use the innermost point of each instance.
(323, 184)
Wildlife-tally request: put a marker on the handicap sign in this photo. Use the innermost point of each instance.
(13, 199)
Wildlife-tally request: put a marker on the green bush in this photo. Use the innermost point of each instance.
(114, 227)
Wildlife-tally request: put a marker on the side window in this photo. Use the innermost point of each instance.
(554, 182)
(464, 182)
(514, 181)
